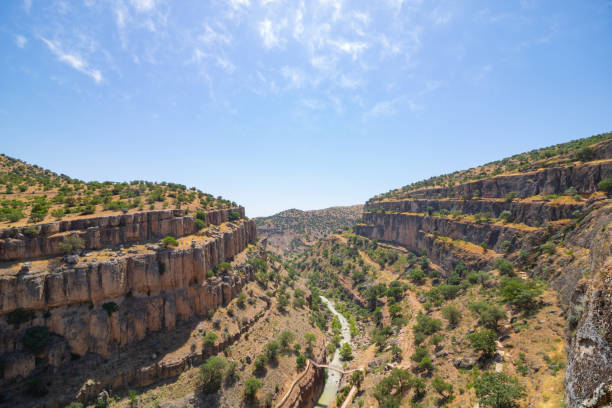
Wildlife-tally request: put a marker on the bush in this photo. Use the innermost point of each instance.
(346, 352)
(71, 243)
(251, 386)
(209, 339)
(483, 341)
(506, 246)
(169, 241)
(356, 379)
(234, 215)
(36, 338)
(300, 362)
(506, 216)
(199, 224)
(426, 324)
(286, 338)
(489, 314)
(416, 275)
(606, 185)
(419, 354)
(520, 293)
(498, 390)
(452, 314)
(504, 266)
(548, 248)
(585, 154)
(260, 362)
(272, 349)
(211, 375)
(110, 307)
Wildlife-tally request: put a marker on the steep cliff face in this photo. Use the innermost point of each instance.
(589, 365)
(100, 232)
(101, 306)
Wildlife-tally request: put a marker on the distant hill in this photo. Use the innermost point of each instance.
(294, 230)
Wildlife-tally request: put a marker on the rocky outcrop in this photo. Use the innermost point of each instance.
(308, 387)
(100, 232)
(533, 213)
(588, 378)
(151, 291)
(583, 177)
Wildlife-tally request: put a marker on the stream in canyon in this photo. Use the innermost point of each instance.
(333, 377)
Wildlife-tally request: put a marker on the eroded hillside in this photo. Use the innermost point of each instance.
(295, 230)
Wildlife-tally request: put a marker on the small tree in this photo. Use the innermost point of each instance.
(300, 362)
(606, 185)
(520, 293)
(504, 266)
(211, 374)
(260, 362)
(585, 154)
(489, 314)
(209, 340)
(346, 352)
(452, 314)
(286, 338)
(483, 341)
(169, 241)
(271, 350)
(251, 386)
(498, 390)
(71, 243)
(356, 379)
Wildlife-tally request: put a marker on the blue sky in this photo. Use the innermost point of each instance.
(286, 103)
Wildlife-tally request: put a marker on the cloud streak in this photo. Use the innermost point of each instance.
(73, 60)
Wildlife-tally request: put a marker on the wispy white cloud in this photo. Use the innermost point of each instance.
(20, 41)
(143, 5)
(27, 5)
(354, 48)
(236, 4)
(383, 108)
(269, 33)
(73, 60)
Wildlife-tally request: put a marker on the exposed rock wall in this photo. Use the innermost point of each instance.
(100, 232)
(529, 213)
(583, 177)
(408, 230)
(70, 301)
(310, 386)
(588, 378)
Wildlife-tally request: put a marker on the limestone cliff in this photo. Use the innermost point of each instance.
(150, 289)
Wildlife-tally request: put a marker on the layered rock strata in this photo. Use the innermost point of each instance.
(100, 232)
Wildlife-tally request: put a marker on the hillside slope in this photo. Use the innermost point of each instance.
(545, 212)
(294, 230)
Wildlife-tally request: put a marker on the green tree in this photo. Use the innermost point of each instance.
(211, 374)
(169, 241)
(271, 350)
(452, 314)
(606, 185)
(286, 338)
(356, 379)
(498, 390)
(489, 314)
(300, 362)
(346, 352)
(504, 266)
(71, 243)
(260, 362)
(520, 293)
(483, 341)
(251, 386)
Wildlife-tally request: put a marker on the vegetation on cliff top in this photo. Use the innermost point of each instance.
(582, 150)
(31, 194)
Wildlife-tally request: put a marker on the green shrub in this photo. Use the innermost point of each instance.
(520, 293)
(211, 375)
(549, 248)
(498, 390)
(606, 185)
(442, 387)
(36, 338)
(489, 314)
(585, 154)
(169, 241)
(504, 266)
(286, 338)
(452, 314)
(209, 339)
(71, 243)
(483, 341)
(426, 324)
(506, 216)
(234, 215)
(300, 362)
(251, 386)
(199, 224)
(260, 362)
(346, 352)
(271, 350)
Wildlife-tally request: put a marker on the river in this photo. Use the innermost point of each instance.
(333, 377)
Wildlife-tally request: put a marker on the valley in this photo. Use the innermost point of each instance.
(488, 287)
